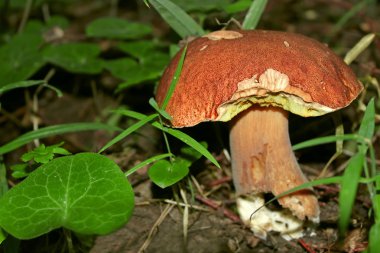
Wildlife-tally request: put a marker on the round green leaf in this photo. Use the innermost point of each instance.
(75, 57)
(117, 28)
(86, 193)
(164, 174)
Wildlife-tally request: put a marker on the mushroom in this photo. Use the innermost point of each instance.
(252, 79)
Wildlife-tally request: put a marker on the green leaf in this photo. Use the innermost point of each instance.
(86, 193)
(133, 73)
(238, 6)
(202, 5)
(146, 162)
(75, 57)
(176, 133)
(374, 235)
(178, 19)
(20, 170)
(140, 49)
(164, 174)
(175, 79)
(51, 131)
(254, 13)
(2, 236)
(128, 131)
(348, 190)
(22, 56)
(190, 154)
(117, 28)
(43, 154)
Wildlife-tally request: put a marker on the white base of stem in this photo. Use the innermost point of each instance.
(262, 220)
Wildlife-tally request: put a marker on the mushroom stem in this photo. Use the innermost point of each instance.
(263, 160)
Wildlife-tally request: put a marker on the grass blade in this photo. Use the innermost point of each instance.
(253, 15)
(175, 79)
(176, 133)
(374, 235)
(328, 180)
(128, 131)
(3, 179)
(177, 18)
(327, 139)
(367, 126)
(191, 142)
(51, 131)
(160, 111)
(359, 48)
(21, 84)
(349, 14)
(348, 190)
(146, 162)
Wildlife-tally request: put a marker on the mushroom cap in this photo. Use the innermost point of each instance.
(225, 72)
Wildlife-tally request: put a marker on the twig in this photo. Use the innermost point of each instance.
(153, 230)
(199, 208)
(306, 246)
(219, 181)
(226, 212)
(185, 218)
(25, 15)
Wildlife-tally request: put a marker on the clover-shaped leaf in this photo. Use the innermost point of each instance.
(164, 173)
(86, 193)
(43, 154)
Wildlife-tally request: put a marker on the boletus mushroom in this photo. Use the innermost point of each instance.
(253, 79)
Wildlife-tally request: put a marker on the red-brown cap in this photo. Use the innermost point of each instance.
(226, 72)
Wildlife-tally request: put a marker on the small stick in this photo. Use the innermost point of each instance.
(306, 246)
(226, 212)
(155, 226)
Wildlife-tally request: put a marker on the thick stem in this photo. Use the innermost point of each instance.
(263, 160)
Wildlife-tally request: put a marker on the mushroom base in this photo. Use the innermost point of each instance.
(263, 160)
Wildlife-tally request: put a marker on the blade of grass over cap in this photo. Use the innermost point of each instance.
(53, 130)
(128, 131)
(253, 15)
(177, 18)
(175, 79)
